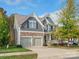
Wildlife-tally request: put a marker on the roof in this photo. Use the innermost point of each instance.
(48, 18)
(20, 19)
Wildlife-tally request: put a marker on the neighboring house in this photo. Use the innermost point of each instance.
(32, 30)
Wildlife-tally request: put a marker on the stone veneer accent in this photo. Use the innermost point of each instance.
(31, 34)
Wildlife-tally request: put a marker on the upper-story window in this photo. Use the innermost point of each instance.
(32, 24)
(49, 28)
(49, 19)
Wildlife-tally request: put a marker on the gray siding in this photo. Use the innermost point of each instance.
(25, 25)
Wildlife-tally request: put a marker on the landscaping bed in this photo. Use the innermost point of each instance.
(32, 56)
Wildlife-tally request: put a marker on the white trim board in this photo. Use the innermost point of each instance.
(32, 31)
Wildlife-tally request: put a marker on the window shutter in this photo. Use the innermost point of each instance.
(27, 24)
(51, 27)
(36, 25)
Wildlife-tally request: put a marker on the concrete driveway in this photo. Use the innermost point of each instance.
(55, 53)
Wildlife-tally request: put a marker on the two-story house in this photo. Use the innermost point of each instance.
(32, 30)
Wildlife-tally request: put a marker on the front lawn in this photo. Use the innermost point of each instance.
(17, 49)
(13, 49)
(32, 56)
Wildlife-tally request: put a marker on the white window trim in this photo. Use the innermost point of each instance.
(33, 22)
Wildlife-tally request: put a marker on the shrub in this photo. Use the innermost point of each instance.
(19, 46)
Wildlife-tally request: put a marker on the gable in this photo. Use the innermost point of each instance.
(34, 17)
(25, 25)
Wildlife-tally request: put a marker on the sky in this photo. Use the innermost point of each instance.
(25, 7)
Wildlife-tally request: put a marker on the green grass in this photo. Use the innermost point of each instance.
(32, 56)
(10, 50)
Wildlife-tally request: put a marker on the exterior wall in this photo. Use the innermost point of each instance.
(25, 24)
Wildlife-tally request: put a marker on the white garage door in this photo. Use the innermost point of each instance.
(25, 41)
(37, 42)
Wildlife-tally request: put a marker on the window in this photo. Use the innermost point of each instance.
(49, 28)
(32, 24)
(49, 19)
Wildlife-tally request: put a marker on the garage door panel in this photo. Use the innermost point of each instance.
(26, 41)
(37, 42)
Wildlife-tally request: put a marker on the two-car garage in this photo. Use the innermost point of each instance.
(31, 41)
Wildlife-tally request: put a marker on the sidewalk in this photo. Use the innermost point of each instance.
(17, 53)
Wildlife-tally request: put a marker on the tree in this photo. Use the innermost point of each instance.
(69, 25)
(4, 28)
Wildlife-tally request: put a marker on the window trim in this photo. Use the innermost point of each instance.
(33, 24)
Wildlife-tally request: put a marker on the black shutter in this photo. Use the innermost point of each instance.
(36, 25)
(51, 27)
(27, 24)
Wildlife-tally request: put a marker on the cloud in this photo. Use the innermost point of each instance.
(15, 2)
(24, 4)
(23, 7)
(12, 2)
(55, 16)
(62, 0)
